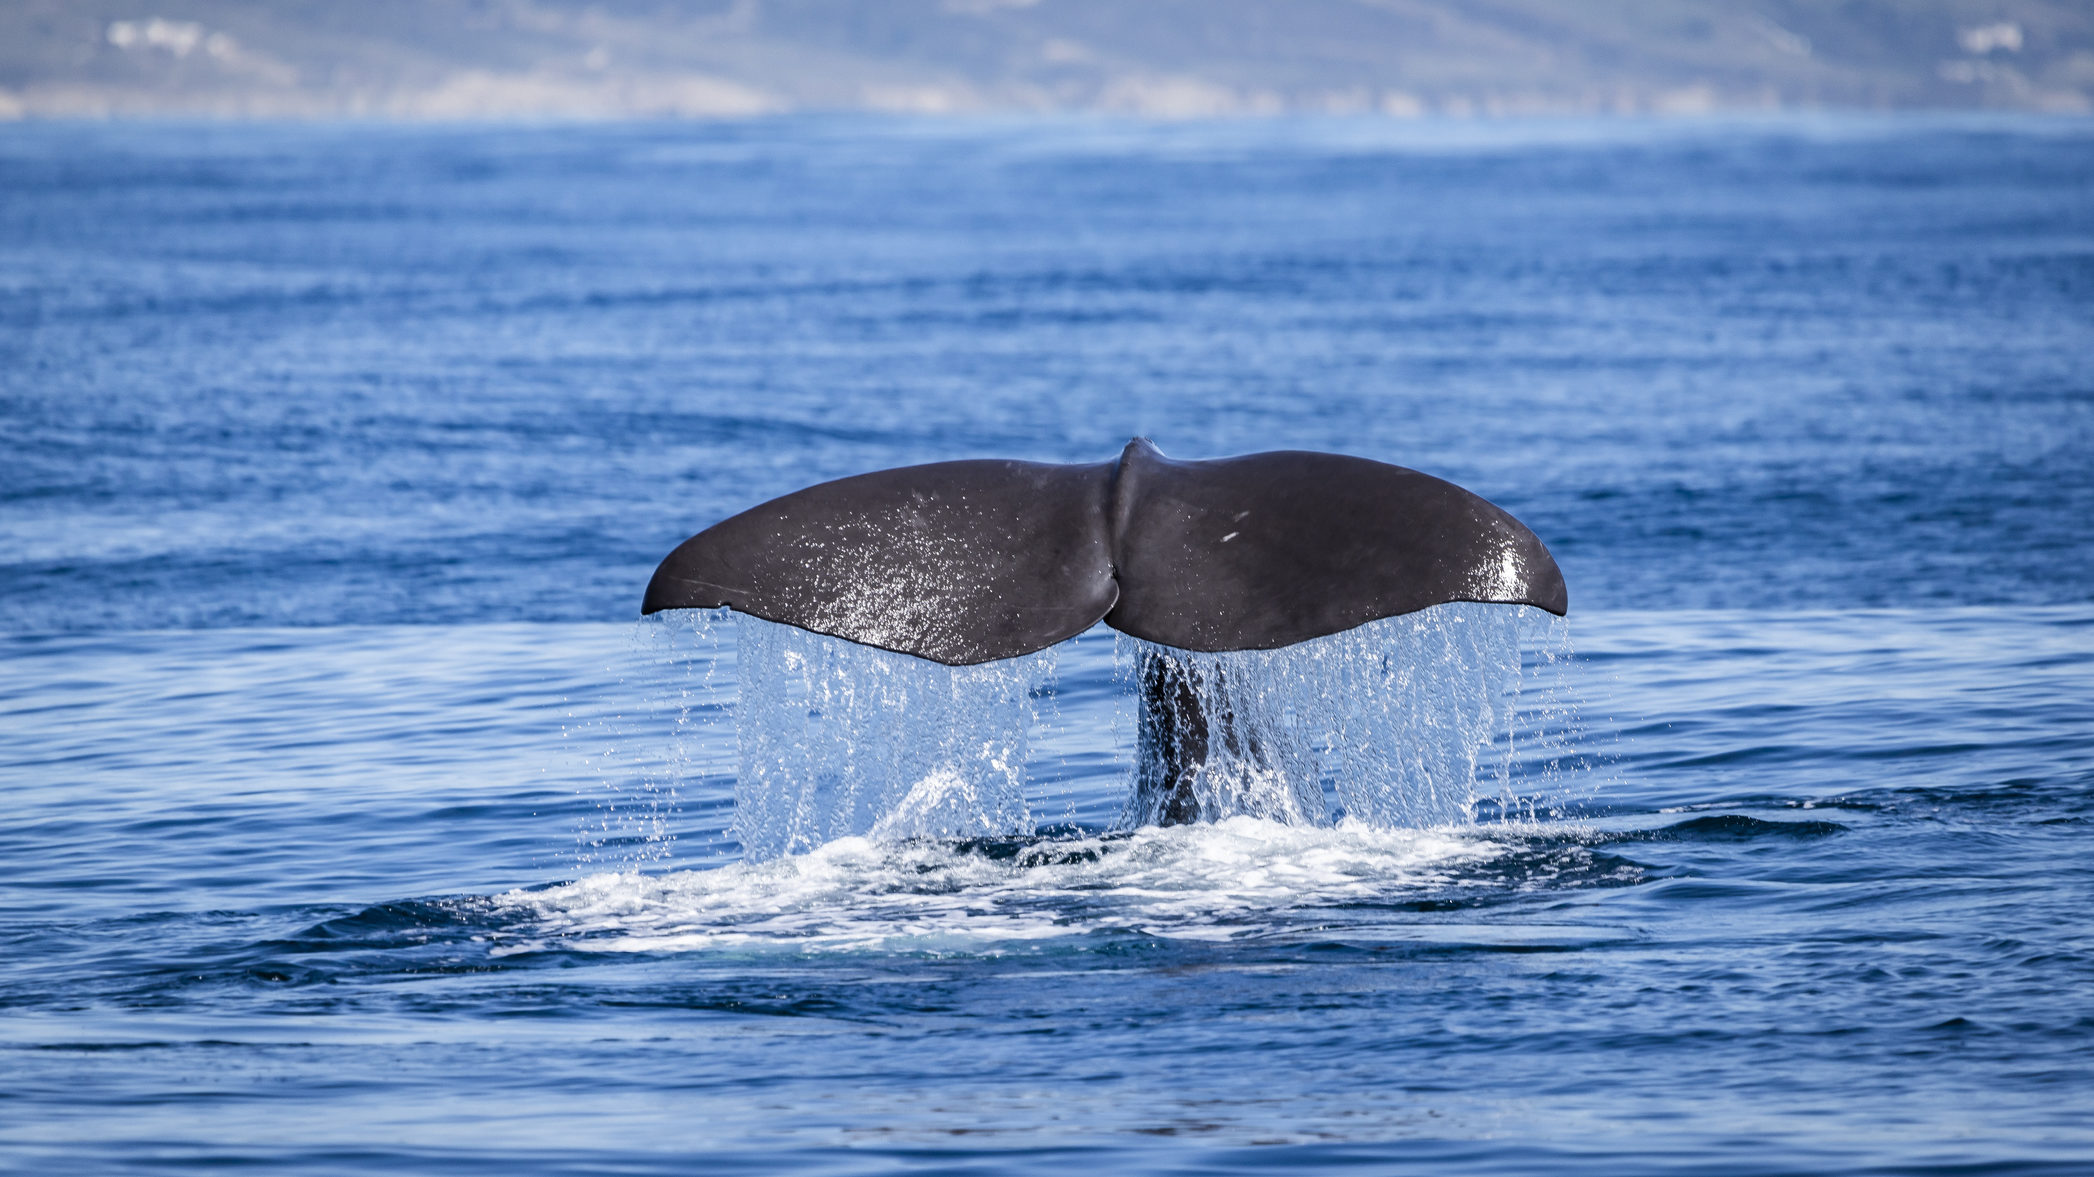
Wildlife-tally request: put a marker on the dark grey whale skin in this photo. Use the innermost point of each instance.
(972, 561)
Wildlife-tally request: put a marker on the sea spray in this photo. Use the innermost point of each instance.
(1387, 723)
(670, 740)
(1550, 758)
(693, 697)
(838, 740)
(1434, 718)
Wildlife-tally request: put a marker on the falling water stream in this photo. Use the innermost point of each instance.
(838, 740)
(1404, 723)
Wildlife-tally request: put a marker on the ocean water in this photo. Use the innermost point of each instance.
(352, 821)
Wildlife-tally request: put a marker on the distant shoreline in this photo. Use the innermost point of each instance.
(18, 108)
(1428, 124)
(421, 60)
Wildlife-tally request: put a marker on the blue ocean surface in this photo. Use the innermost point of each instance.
(353, 822)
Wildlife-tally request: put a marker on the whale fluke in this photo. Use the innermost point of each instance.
(967, 562)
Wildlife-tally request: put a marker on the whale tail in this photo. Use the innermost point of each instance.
(967, 562)
(972, 561)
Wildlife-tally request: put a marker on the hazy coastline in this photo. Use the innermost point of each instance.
(567, 59)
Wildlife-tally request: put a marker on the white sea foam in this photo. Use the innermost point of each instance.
(1241, 877)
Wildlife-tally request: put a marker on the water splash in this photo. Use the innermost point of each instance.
(1390, 724)
(1551, 756)
(1238, 879)
(678, 682)
(1409, 722)
(840, 740)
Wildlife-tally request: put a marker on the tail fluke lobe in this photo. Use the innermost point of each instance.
(958, 562)
(1267, 550)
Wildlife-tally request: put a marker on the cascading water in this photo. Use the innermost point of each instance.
(839, 739)
(1407, 722)
(1384, 724)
